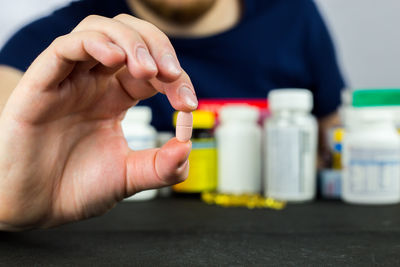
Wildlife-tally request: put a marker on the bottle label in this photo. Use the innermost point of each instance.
(202, 167)
(375, 172)
(290, 161)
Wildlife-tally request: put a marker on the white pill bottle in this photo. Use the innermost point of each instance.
(371, 158)
(140, 135)
(291, 146)
(239, 150)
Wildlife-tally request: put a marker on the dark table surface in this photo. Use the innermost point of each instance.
(187, 232)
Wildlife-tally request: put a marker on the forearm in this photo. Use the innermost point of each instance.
(9, 78)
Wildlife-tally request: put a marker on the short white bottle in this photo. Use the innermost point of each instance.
(239, 150)
(371, 158)
(140, 135)
(291, 146)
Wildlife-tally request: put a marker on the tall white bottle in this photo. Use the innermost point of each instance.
(140, 135)
(239, 150)
(291, 146)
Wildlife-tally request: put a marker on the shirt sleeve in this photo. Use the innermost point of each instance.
(327, 80)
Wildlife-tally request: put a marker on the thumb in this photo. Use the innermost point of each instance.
(154, 168)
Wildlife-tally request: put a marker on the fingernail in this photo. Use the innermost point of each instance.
(188, 97)
(183, 165)
(171, 64)
(184, 170)
(145, 59)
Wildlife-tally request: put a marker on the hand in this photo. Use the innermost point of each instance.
(63, 156)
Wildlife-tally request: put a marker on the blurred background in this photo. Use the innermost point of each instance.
(367, 41)
(365, 33)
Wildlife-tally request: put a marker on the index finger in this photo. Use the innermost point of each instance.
(159, 45)
(180, 93)
(171, 80)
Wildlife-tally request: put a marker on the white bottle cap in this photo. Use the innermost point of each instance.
(292, 99)
(347, 97)
(138, 114)
(369, 116)
(163, 138)
(238, 113)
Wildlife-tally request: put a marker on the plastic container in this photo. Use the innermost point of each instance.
(330, 184)
(203, 157)
(239, 150)
(215, 105)
(337, 145)
(371, 158)
(346, 105)
(140, 135)
(378, 99)
(291, 146)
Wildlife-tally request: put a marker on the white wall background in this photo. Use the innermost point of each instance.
(366, 34)
(367, 37)
(16, 13)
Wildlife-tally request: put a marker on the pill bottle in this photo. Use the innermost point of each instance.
(345, 105)
(371, 158)
(239, 150)
(330, 180)
(140, 135)
(337, 144)
(291, 146)
(203, 157)
(215, 104)
(330, 183)
(381, 98)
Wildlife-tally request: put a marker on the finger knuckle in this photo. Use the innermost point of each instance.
(144, 27)
(122, 16)
(153, 28)
(157, 35)
(59, 40)
(90, 19)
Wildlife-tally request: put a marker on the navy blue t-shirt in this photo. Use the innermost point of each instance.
(276, 44)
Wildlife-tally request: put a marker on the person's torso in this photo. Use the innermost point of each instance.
(265, 50)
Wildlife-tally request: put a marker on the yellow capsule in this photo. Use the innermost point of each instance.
(245, 200)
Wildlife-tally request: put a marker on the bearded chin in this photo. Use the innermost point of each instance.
(184, 15)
